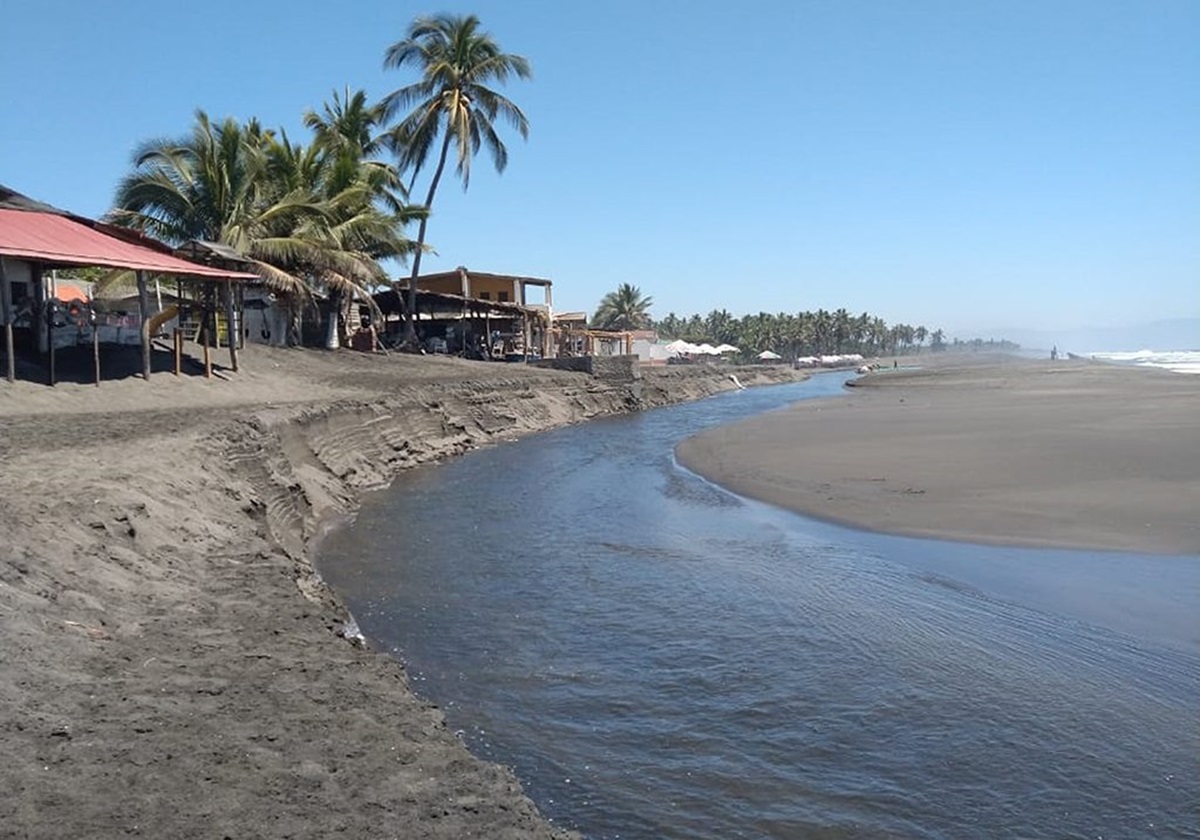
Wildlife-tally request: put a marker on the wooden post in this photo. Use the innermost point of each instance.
(210, 335)
(51, 306)
(7, 313)
(95, 344)
(177, 346)
(48, 308)
(230, 323)
(241, 315)
(144, 307)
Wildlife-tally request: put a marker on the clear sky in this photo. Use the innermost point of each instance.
(965, 164)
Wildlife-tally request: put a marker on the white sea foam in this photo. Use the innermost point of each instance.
(1180, 361)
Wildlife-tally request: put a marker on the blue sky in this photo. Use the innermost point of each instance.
(964, 164)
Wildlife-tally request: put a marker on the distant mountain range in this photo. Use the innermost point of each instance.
(1171, 334)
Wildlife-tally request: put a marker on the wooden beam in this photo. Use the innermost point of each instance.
(7, 314)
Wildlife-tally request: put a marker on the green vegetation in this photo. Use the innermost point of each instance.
(802, 334)
(312, 220)
(316, 219)
(819, 333)
(624, 309)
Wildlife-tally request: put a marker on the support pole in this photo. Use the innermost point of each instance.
(7, 314)
(241, 315)
(144, 307)
(231, 327)
(49, 311)
(210, 336)
(177, 346)
(95, 341)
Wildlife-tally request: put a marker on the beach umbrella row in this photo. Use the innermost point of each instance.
(679, 347)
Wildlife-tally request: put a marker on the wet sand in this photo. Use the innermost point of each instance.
(1066, 454)
(171, 665)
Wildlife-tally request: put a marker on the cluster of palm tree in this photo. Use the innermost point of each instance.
(801, 334)
(316, 219)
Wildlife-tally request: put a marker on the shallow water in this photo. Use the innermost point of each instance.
(659, 658)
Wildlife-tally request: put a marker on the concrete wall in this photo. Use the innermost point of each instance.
(615, 368)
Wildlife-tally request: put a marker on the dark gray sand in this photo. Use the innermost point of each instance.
(1018, 452)
(170, 666)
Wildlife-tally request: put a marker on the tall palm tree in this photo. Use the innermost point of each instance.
(364, 196)
(624, 309)
(452, 100)
(349, 131)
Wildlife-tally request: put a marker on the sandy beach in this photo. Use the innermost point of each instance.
(1003, 451)
(172, 666)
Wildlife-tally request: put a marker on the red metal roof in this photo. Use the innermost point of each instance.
(62, 240)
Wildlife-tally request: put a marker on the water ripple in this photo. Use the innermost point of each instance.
(658, 658)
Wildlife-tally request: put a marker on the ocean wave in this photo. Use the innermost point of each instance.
(1180, 361)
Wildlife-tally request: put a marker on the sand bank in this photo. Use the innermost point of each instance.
(171, 666)
(1017, 452)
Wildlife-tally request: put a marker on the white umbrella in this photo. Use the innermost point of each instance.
(767, 354)
(726, 348)
(678, 346)
(707, 350)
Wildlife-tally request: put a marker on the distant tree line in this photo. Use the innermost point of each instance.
(817, 333)
(803, 333)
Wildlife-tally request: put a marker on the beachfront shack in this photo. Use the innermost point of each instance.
(570, 336)
(36, 239)
(475, 314)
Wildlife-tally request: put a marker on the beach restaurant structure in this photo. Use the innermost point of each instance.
(476, 313)
(36, 238)
(493, 316)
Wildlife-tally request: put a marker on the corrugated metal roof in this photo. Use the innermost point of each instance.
(62, 240)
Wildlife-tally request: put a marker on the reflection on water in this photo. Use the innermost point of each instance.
(658, 658)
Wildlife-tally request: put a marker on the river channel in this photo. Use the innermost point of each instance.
(656, 657)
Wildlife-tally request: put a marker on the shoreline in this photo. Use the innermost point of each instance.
(174, 663)
(1029, 453)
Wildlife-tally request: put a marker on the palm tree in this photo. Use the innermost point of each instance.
(452, 100)
(670, 326)
(304, 223)
(348, 130)
(364, 196)
(216, 185)
(624, 309)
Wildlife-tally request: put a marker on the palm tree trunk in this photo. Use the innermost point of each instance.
(410, 324)
(331, 327)
(144, 310)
